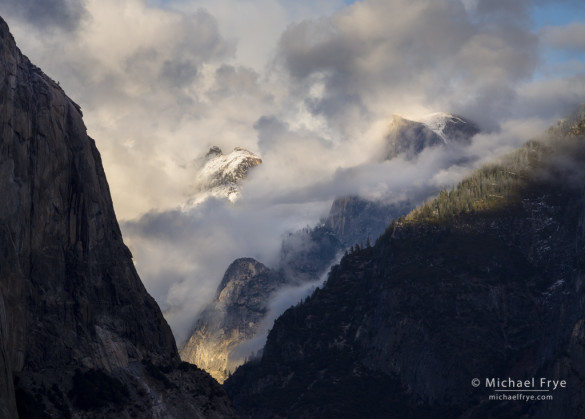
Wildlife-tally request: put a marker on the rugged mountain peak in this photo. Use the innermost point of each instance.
(221, 174)
(79, 334)
(237, 277)
(227, 169)
(408, 138)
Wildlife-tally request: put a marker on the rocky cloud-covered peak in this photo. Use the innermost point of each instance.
(409, 138)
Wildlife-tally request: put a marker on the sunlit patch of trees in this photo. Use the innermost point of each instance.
(490, 187)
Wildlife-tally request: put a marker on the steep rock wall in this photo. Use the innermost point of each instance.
(72, 301)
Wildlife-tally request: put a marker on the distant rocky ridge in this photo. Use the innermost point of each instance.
(485, 281)
(353, 219)
(221, 174)
(225, 325)
(79, 335)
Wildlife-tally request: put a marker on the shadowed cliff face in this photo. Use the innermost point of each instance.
(70, 298)
(456, 292)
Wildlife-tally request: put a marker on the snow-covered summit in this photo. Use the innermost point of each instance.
(409, 138)
(221, 174)
(227, 169)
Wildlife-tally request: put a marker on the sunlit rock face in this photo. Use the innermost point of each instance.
(233, 326)
(79, 334)
(234, 316)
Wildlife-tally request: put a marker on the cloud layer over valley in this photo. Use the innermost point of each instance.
(310, 88)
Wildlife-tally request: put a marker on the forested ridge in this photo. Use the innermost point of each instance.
(497, 185)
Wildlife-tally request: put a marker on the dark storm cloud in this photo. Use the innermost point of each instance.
(270, 130)
(198, 40)
(311, 46)
(201, 39)
(178, 73)
(400, 53)
(504, 8)
(235, 80)
(62, 14)
(550, 99)
(168, 225)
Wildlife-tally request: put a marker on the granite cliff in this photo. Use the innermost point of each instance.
(232, 318)
(79, 334)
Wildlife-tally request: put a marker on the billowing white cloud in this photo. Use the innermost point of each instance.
(182, 255)
(378, 57)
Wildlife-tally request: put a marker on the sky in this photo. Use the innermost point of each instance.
(309, 86)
